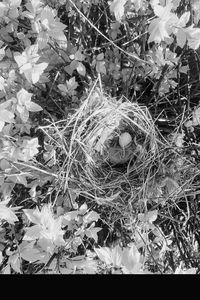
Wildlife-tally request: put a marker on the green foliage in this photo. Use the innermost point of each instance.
(51, 52)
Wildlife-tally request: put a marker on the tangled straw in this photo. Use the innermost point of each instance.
(92, 167)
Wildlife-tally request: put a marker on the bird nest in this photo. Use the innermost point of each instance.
(97, 164)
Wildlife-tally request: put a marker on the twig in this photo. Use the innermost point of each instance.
(35, 168)
(105, 37)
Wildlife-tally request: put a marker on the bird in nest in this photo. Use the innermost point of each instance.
(123, 151)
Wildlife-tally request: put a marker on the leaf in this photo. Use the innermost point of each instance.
(184, 19)
(6, 213)
(23, 112)
(27, 58)
(117, 7)
(27, 63)
(13, 8)
(73, 65)
(4, 164)
(100, 67)
(79, 56)
(2, 84)
(81, 69)
(5, 35)
(158, 31)
(63, 88)
(190, 271)
(31, 255)
(152, 215)
(69, 87)
(68, 219)
(7, 270)
(104, 254)
(3, 9)
(184, 69)
(92, 233)
(196, 117)
(14, 3)
(66, 271)
(71, 84)
(42, 39)
(6, 190)
(30, 149)
(86, 264)
(23, 97)
(100, 56)
(89, 266)
(179, 139)
(83, 208)
(176, 3)
(32, 233)
(6, 116)
(21, 59)
(11, 77)
(32, 8)
(2, 53)
(181, 34)
(68, 69)
(51, 28)
(196, 10)
(14, 261)
(111, 256)
(36, 72)
(33, 73)
(47, 17)
(33, 107)
(181, 38)
(33, 215)
(116, 256)
(193, 37)
(149, 216)
(2, 125)
(161, 27)
(7, 104)
(180, 271)
(19, 179)
(138, 4)
(115, 30)
(48, 228)
(1, 257)
(91, 216)
(131, 260)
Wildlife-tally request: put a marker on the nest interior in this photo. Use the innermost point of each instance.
(96, 166)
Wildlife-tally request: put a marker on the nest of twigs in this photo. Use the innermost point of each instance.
(96, 165)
